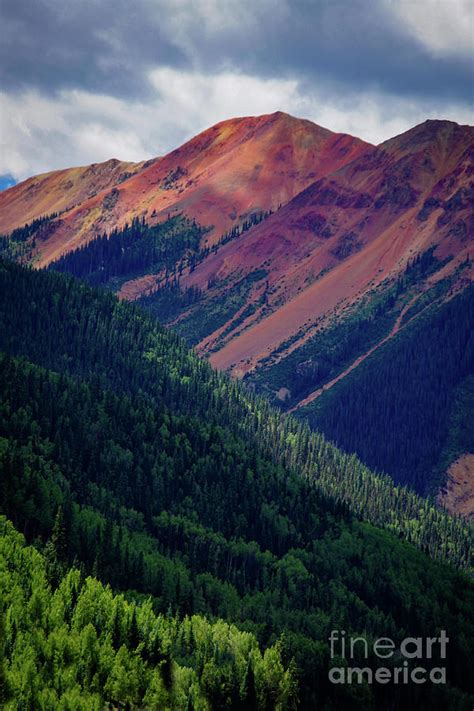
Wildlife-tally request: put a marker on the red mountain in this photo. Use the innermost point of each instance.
(344, 234)
(59, 191)
(219, 177)
(348, 221)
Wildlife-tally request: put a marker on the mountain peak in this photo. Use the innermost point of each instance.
(220, 177)
(431, 131)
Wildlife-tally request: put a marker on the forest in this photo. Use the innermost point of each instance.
(133, 250)
(164, 248)
(182, 522)
(74, 644)
(21, 242)
(338, 342)
(401, 410)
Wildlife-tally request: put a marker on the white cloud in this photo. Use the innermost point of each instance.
(196, 101)
(376, 117)
(78, 127)
(41, 134)
(445, 27)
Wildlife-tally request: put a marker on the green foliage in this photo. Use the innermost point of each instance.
(203, 314)
(80, 646)
(20, 244)
(65, 326)
(170, 301)
(133, 250)
(338, 343)
(124, 452)
(460, 437)
(328, 352)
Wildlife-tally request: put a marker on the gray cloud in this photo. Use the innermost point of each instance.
(102, 46)
(357, 43)
(107, 46)
(84, 80)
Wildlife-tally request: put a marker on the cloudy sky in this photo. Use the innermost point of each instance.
(86, 80)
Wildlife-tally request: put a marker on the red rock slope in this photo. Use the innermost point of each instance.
(352, 214)
(219, 177)
(58, 191)
(344, 234)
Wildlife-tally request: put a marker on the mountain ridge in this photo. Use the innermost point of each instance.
(275, 154)
(262, 239)
(371, 215)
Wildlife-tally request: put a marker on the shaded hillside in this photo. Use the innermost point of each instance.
(122, 450)
(69, 327)
(398, 409)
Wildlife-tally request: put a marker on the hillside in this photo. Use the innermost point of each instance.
(124, 452)
(59, 191)
(408, 408)
(284, 253)
(82, 647)
(338, 239)
(219, 178)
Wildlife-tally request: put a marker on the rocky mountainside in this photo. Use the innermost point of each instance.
(288, 255)
(342, 236)
(219, 178)
(59, 191)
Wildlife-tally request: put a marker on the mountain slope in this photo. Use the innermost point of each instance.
(342, 236)
(401, 409)
(59, 191)
(124, 451)
(82, 332)
(220, 177)
(288, 299)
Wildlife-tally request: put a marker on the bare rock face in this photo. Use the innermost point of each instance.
(229, 171)
(457, 496)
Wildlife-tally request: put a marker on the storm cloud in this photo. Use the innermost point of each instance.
(134, 79)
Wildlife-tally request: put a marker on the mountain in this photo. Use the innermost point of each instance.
(289, 256)
(303, 298)
(341, 237)
(234, 538)
(59, 191)
(219, 178)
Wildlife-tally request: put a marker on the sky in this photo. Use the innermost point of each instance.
(83, 81)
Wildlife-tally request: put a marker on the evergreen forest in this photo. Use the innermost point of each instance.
(172, 541)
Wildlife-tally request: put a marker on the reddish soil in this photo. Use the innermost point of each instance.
(348, 232)
(352, 215)
(219, 177)
(458, 494)
(58, 191)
